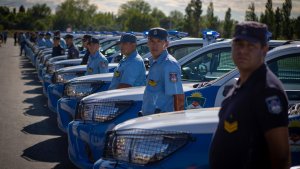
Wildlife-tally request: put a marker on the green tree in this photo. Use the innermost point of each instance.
(269, 17)
(211, 20)
(286, 11)
(228, 23)
(176, 20)
(104, 21)
(77, 13)
(135, 8)
(296, 27)
(193, 17)
(160, 17)
(277, 24)
(250, 13)
(21, 9)
(138, 22)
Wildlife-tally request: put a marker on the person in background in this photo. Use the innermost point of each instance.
(48, 40)
(131, 70)
(164, 91)
(85, 41)
(73, 52)
(57, 50)
(97, 63)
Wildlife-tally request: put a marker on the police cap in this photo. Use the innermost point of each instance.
(69, 36)
(127, 37)
(251, 31)
(56, 38)
(48, 34)
(86, 38)
(159, 33)
(94, 40)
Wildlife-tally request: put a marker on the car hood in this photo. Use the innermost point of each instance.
(68, 61)
(204, 120)
(57, 58)
(96, 77)
(81, 68)
(132, 93)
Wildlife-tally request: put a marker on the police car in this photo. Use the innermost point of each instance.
(99, 112)
(47, 74)
(80, 87)
(172, 140)
(45, 60)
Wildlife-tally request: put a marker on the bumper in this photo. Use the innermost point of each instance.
(54, 92)
(194, 155)
(86, 142)
(46, 82)
(66, 108)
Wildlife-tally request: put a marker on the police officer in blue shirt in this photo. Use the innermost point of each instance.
(41, 41)
(48, 40)
(164, 91)
(253, 119)
(131, 70)
(73, 52)
(97, 63)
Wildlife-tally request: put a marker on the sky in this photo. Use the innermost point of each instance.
(238, 7)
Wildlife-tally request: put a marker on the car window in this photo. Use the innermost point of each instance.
(142, 49)
(287, 69)
(107, 42)
(113, 49)
(180, 51)
(208, 66)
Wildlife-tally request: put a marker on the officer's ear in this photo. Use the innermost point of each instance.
(265, 49)
(166, 44)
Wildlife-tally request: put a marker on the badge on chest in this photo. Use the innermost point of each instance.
(230, 126)
(116, 74)
(152, 83)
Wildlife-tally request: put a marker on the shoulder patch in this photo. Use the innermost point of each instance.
(173, 77)
(274, 104)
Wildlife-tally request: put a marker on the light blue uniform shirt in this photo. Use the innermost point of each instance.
(41, 42)
(97, 63)
(163, 81)
(131, 70)
(62, 43)
(49, 43)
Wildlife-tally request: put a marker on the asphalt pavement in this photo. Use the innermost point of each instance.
(29, 136)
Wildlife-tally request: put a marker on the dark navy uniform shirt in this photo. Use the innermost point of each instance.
(246, 114)
(73, 52)
(85, 57)
(57, 51)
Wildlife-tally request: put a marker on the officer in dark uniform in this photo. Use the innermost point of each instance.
(57, 50)
(164, 91)
(85, 41)
(73, 52)
(253, 120)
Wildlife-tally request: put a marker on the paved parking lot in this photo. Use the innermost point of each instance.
(30, 138)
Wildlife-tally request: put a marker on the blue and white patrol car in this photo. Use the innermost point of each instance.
(171, 140)
(99, 112)
(80, 87)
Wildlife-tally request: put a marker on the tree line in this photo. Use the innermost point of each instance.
(138, 15)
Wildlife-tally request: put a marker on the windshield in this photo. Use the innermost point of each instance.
(208, 66)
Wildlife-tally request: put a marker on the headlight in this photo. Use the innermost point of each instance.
(64, 77)
(141, 146)
(103, 111)
(81, 89)
(51, 68)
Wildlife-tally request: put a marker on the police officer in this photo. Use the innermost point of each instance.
(85, 41)
(48, 40)
(41, 41)
(62, 41)
(73, 52)
(97, 63)
(163, 92)
(253, 119)
(131, 70)
(57, 50)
